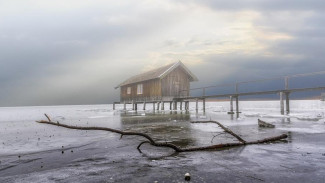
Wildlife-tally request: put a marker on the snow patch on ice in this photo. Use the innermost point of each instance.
(304, 130)
(94, 117)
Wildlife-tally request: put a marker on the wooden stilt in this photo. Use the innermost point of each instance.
(281, 103)
(287, 103)
(203, 101)
(132, 104)
(158, 104)
(124, 105)
(170, 106)
(153, 106)
(113, 105)
(144, 105)
(237, 105)
(162, 105)
(197, 104)
(187, 105)
(231, 105)
(136, 106)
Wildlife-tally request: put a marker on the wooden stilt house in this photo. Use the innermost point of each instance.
(161, 84)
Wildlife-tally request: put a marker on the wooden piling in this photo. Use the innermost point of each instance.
(237, 105)
(281, 103)
(231, 105)
(170, 105)
(197, 104)
(162, 105)
(144, 105)
(153, 106)
(287, 103)
(133, 105)
(124, 105)
(188, 105)
(158, 104)
(203, 102)
(113, 105)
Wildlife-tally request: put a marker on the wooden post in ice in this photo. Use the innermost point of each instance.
(144, 105)
(237, 101)
(153, 106)
(113, 105)
(286, 85)
(170, 105)
(231, 105)
(287, 103)
(203, 101)
(158, 104)
(136, 106)
(162, 105)
(196, 104)
(237, 105)
(124, 105)
(133, 105)
(281, 103)
(174, 105)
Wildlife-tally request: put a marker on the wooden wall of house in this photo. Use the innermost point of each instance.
(151, 90)
(174, 82)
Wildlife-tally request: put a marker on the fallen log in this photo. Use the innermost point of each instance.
(264, 124)
(152, 142)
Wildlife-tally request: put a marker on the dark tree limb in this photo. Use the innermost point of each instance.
(48, 118)
(144, 142)
(214, 136)
(169, 145)
(225, 129)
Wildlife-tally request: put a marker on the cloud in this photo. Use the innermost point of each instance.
(265, 5)
(73, 52)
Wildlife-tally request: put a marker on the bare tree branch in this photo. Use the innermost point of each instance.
(214, 136)
(169, 145)
(224, 128)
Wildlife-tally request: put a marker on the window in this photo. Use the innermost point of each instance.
(140, 89)
(128, 90)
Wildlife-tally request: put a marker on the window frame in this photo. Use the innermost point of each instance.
(128, 90)
(139, 89)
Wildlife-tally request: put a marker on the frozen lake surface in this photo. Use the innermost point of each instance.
(33, 152)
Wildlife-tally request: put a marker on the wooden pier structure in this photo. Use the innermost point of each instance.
(170, 85)
(160, 105)
(156, 105)
(284, 95)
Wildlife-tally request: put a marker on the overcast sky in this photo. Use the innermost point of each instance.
(75, 52)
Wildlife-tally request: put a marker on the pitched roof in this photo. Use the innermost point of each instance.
(160, 72)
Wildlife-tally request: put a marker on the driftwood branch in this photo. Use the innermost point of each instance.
(264, 124)
(214, 136)
(152, 142)
(224, 128)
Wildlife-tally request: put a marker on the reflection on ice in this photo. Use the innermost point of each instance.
(20, 134)
(31, 152)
